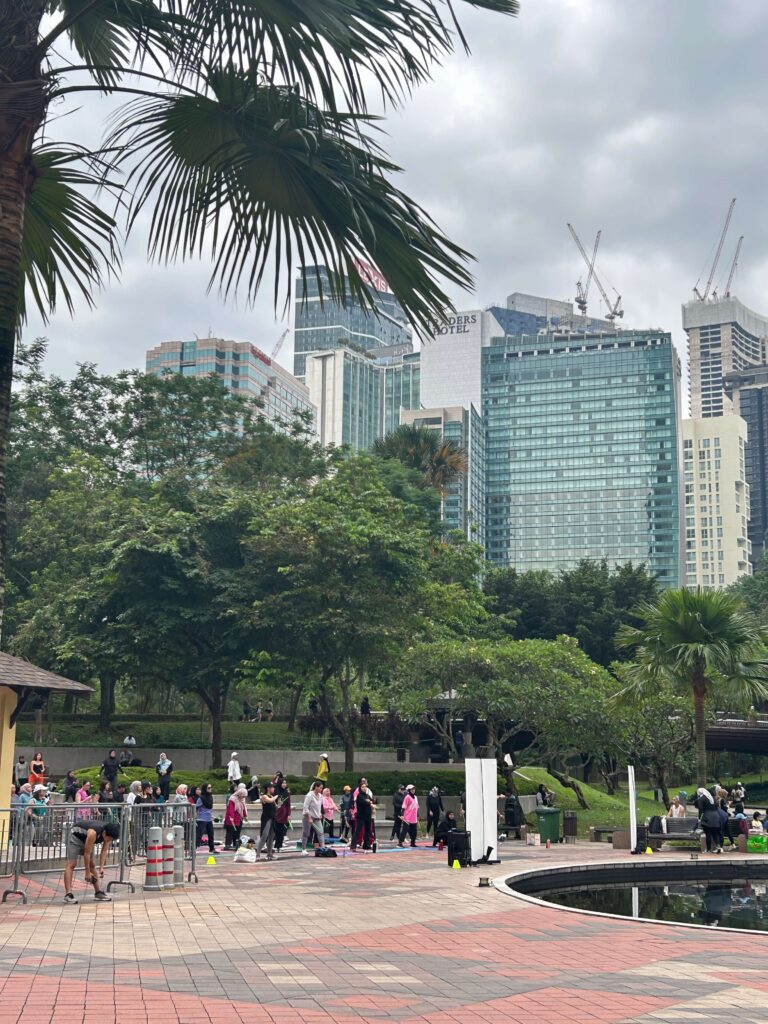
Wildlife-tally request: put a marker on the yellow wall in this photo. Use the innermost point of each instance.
(8, 701)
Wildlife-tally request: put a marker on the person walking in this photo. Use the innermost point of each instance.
(268, 811)
(83, 836)
(234, 772)
(329, 809)
(434, 809)
(110, 766)
(283, 811)
(397, 813)
(312, 817)
(345, 815)
(235, 815)
(164, 769)
(364, 817)
(323, 769)
(410, 815)
(204, 815)
(710, 820)
(269, 710)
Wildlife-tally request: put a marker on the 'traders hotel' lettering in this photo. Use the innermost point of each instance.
(456, 324)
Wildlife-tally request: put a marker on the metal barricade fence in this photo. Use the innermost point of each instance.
(34, 838)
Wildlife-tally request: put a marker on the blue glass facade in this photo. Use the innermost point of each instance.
(582, 437)
(321, 324)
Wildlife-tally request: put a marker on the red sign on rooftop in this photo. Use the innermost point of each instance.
(371, 276)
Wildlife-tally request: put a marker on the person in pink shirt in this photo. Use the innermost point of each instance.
(83, 796)
(329, 809)
(410, 815)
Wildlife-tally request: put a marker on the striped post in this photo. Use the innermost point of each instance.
(178, 856)
(154, 876)
(167, 858)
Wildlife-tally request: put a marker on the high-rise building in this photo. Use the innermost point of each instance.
(583, 450)
(321, 324)
(359, 398)
(463, 504)
(717, 548)
(748, 392)
(724, 337)
(241, 367)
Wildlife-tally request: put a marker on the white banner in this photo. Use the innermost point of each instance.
(481, 806)
(632, 807)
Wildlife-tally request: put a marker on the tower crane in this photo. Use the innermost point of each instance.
(582, 293)
(279, 344)
(733, 267)
(723, 233)
(615, 310)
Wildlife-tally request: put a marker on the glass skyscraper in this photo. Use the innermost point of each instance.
(582, 451)
(320, 324)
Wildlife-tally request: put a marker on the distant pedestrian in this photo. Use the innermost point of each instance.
(83, 796)
(21, 771)
(397, 813)
(710, 820)
(364, 808)
(283, 811)
(71, 786)
(83, 836)
(410, 815)
(204, 814)
(345, 814)
(110, 766)
(236, 814)
(513, 814)
(234, 772)
(37, 770)
(253, 790)
(134, 793)
(458, 742)
(312, 817)
(323, 769)
(365, 708)
(434, 809)
(164, 769)
(269, 710)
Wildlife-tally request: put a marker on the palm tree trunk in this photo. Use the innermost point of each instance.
(699, 694)
(20, 20)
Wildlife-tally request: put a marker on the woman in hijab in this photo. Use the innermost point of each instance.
(204, 807)
(709, 817)
(235, 815)
(134, 793)
(110, 766)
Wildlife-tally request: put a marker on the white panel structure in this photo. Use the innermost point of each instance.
(481, 807)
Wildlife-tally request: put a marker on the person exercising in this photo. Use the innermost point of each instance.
(83, 836)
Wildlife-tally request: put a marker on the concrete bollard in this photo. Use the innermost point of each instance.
(167, 858)
(154, 877)
(178, 856)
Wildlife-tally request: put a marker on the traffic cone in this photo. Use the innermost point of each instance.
(211, 861)
(648, 850)
(456, 866)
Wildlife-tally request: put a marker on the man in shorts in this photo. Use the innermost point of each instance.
(83, 836)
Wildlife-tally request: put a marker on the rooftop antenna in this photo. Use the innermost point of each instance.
(582, 292)
(723, 233)
(615, 310)
(733, 267)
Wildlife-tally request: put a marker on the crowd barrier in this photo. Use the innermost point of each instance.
(34, 839)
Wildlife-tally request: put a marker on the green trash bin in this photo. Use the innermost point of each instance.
(549, 823)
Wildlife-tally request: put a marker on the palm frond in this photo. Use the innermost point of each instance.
(255, 170)
(69, 242)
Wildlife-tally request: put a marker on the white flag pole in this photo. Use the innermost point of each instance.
(632, 807)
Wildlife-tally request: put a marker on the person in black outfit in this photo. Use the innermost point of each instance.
(397, 813)
(434, 809)
(268, 811)
(446, 825)
(365, 708)
(110, 766)
(71, 786)
(363, 822)
(513, 813)
(709, 816)
(164, 769)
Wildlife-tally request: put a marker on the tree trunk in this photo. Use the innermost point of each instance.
(19, 120)
(215, 737)
(566, 780)
(294, 707)
(106, 700)
(699, 694)
(349, 754)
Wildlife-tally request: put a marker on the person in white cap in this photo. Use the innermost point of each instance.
(234, 774)
(323, 769)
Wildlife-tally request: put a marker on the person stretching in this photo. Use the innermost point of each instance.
(83, 836)
(312, 817)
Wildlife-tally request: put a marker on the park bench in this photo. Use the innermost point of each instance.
(684, 829)
(596, 832)
(733, 831)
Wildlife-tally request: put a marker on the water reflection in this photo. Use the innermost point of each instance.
(738, 904)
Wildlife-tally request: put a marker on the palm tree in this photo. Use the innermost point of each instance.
(245, 134)
(696, 640)
(426, 451)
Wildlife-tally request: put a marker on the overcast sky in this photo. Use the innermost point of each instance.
(642, 119)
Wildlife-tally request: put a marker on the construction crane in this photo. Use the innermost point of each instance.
(733, 267)
(615, 310)
(279, 344)
(582, 293)
(723, 233)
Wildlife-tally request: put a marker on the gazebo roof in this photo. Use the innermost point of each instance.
(23, 675)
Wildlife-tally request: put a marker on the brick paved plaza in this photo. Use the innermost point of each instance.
(396, 936)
